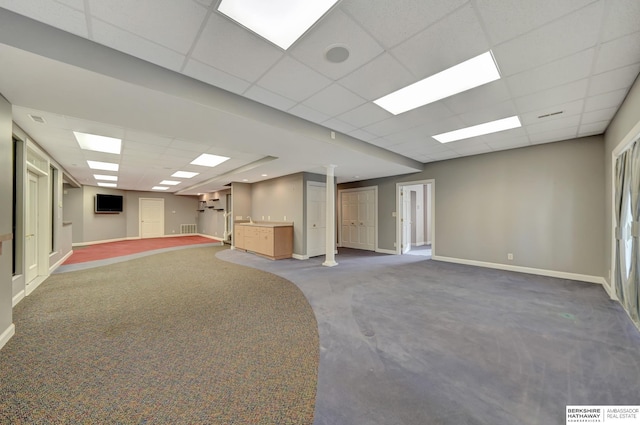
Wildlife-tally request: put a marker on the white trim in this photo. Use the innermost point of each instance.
(386, 251)
(60, 261)
(7, 334)
(432, 207)
(140, 201)
(299, 257)
(521, 269)
(17, 298)
(215, 238)
(375, 212)
(610, 290)
(33, 285)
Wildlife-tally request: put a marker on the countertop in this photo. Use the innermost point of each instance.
(266, 224)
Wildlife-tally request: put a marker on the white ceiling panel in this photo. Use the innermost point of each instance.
(455, 39)
(154, 20)
(507, 20)
(593, 128)
(52, 13)
(334, 100)
(599, 115)
(490, 113)
(566, 109)
(267, 97)
(364, 115)
(618, 53)
(605, 100)
(338, 125)
(391, 22)
(510, 143)
(336, 30)
(547, 100)
(308, 114)
(621, 18)
(215, 77)
(293, 80)
(620, 78)
(560, 72)
(135, 45)
(372, 81)
(541, 44)
(234, 50)
(476, 149)
(443, 155)
(553, 125)
(479, 97)
(553, 135)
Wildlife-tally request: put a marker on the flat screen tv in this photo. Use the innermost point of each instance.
(108, 203)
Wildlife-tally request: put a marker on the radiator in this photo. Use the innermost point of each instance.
(186, 229)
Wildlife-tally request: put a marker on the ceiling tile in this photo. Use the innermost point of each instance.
(146, 138)
(613, 80)
(337, 125)
(547, 99)
(291, 79)
(392, 22)
(622, 18)
(478, 148)
(553, 125)
(51, 13)
(599, 115)
(563, 71)
(364, 115)
(135, 45)
(490, 113)
(372, 81)
(308, 114)
(578, 31)
(511, 143)
(593, 128)
(215, 77)
(618, 53)
(362, 135)
(234, 50)
(269, 98)
(567, 109)
(334, 100)
(554, 135)
(154, 20)
(605, 100)
(336, 29)
(453, 40)
(479, 97)
(506, 20)
(444, 155)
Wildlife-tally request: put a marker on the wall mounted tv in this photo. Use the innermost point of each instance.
(108, 203)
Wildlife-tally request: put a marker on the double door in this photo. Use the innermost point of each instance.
(358, 219)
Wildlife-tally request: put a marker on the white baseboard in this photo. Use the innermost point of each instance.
(609, 290)
(386, 251)
(7, 334)
(520, 269)
(33, 285)
(215, 238)
(99, 242)
(59, 262)
(300, 257)
(17, 298)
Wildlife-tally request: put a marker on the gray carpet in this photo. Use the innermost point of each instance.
(409, 341)
(172, 338)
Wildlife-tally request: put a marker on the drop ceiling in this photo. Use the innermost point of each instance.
(178, 79)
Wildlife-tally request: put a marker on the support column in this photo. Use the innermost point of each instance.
(330, 249)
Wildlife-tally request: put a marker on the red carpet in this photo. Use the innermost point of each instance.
(121, 248)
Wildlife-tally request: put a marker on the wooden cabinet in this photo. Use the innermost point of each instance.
(270, 240)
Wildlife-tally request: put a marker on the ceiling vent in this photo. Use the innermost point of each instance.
(550, 115)
(36, 118)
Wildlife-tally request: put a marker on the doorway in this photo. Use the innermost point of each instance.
(151, 217)
(358, 218)
(316, 219)
(415, 218)
(31, 229)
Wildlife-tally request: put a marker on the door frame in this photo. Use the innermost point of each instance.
(43, 224)
(432, 213)
(375, 213)
(306, 214)
(140, 214)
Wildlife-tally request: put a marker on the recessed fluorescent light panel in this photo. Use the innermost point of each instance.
(106, 166)
(462, 77)
(281, 22)
(170, 182)
(93, 142)
(159, 188)
(479, 130)
(104, 177)
(101, 184)
(184, 174)
(208, 160)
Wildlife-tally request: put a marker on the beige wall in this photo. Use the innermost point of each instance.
(544, 204)
(624, 128)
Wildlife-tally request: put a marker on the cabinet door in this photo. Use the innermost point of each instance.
(267, 241)
(238, 236)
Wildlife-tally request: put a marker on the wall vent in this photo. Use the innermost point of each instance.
(36, 118)
(188, 229)
(551, 114)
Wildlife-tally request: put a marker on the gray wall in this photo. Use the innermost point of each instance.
(177, 210)
(241, 200)
(627, 117)
(101, 227)
(211, 221)
(73, 211)
(544, 204)
(6, 214)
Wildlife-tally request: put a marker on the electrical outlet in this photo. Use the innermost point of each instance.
(510, 256)
(393, 214)
(395, 245)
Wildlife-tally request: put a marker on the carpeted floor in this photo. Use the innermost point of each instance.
(406, 341)
(106, 250)
(172, 338)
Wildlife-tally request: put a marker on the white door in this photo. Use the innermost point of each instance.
(151, 217)
(406, 220)
(358, 222)
(316, 219)
(31, 229)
